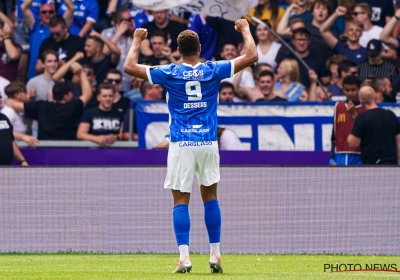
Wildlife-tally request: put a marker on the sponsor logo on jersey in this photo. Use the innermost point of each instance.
(196, 128)
(341, 118)
(193, 75)
(4, 125)
(194, 144)
(153, 68)
(194, 105)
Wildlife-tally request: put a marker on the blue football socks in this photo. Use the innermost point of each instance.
(212, 218)
(181, 220)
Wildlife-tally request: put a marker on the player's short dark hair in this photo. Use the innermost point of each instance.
(57, 20)
(378, 82)
(345, 66)
(60, 89)
(44, 54)
(188, 43)
(105, 86)
(114, 71)
(352, 80)
(301, 31)
(266, 73)
(226, 85)
(97, 40)
(13, 88)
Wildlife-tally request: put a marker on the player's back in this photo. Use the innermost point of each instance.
(192, 96)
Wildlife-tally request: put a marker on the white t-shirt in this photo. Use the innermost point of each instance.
(229, 141)
(247, 79)
(3, 83)
(368, 35)
(16, 119)
(270, 56)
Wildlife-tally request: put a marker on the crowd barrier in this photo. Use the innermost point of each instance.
(294, 210)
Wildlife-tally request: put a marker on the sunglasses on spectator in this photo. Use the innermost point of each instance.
(89, 73)
(127, 19)
(358, 13)
(56, 34)
(117, 81)
(50, 12)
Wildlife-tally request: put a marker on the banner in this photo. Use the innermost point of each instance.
(260, 126)
(227, 9)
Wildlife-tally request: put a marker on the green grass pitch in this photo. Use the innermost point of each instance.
(160, 266)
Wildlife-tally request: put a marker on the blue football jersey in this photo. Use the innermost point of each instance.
(192, 97)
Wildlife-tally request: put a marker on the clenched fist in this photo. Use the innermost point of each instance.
(241, 25)
(140, 34)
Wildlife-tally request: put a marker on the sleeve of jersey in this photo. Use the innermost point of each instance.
(225, 69)
(158, 74)
(93, 11)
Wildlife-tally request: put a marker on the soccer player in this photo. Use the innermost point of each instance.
(192, 96)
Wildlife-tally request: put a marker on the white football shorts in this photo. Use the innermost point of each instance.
(186, 158)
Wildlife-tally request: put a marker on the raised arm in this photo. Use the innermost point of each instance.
(84, 83)
(16, 105)
(325, 29)
(283, 28)
(387, 31)
(62, 71)
(131, 66)
(13, 52)
(249, 55)
(69, 13)
(27, 14)
(312, 91)
(6, 20)
(145, 48)
(115, 51)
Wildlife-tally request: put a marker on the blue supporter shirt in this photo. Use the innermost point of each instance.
(84, 10)
(36, 37)
(35, 7)
(207, 35)
(192, 97)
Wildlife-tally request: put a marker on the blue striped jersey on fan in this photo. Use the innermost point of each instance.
(192, 97)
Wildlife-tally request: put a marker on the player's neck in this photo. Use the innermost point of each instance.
(192, 60)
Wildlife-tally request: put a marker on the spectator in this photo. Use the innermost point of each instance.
(114, 77)
(345, 69)
(289, 85)
(265, 85)
(103, 124)
(333, 64)
(382, 11)
(10, 52)
(362, 12)
(226, 92)
(301, 42)
(375, 66)
(228, 140)
(86, 14)
(61, 41)
(225, 33)
(383, 89)
(259, 67)
(122, 36)
(387, 31)
(161, 52)
(267, 48)
(352, 50)
(171, 30)
(230, 52)
(42, 84)
(56, 119)
(299, 9)
(376, 131)
(267, 10)
(39, 29)
(343, 120)
(97, 57)
(149, 92)
(8, 147)
(134, 93)
(207, 35)
(17, 90)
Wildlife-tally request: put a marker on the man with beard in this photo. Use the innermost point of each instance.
(61, 41)
(10, 52)
(121, 35)
(301, 40)
(161, 52)
(352, 50)
(383, 89)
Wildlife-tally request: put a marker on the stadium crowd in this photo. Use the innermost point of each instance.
(72, 53)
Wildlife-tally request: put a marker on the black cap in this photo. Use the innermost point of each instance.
(374, 47)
